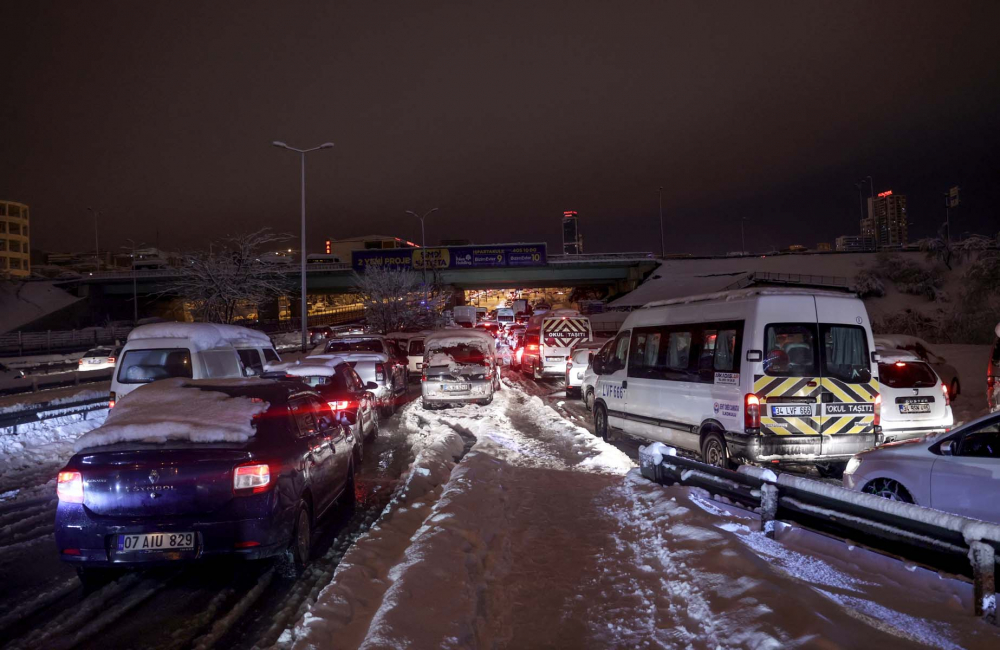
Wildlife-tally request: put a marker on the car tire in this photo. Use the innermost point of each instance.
(94, 578)
(601, 428)
(888, 488)
(713, 450)
(389, 407)
(301, 544)
(588, 399)
(955, 389)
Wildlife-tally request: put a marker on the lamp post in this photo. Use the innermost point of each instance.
(302, 155)
(423, 244)
(663, 245)
(97, 246)
(135, 293)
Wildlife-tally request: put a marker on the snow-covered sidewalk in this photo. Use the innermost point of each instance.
(543, 536)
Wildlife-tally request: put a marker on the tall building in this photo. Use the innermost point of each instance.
(572, 239)
(855, 243)
(15, 245)
(887, 222)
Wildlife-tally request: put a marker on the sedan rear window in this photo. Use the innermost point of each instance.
(906, 374)
(144, 366)
(370, 345)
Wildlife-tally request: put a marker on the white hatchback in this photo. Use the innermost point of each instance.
(957, 472)
(915, 402)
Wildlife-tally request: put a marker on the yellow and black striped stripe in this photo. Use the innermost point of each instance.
(772, 388)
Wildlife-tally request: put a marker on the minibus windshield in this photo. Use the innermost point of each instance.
(797, 349)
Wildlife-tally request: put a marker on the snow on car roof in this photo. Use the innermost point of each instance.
(202, 336)
(318, 366)
(894, 355)
(460, 336)
(177, 409)
(740, 294)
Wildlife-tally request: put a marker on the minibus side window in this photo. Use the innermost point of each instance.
(790, 350)
(617, 361)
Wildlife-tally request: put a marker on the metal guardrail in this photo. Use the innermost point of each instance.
(61, 340)
(35, 383)
(790, 279)
(938, 540)
(47, 411)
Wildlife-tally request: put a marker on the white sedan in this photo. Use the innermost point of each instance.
(99, 358)
(957, 472)
(915, 402)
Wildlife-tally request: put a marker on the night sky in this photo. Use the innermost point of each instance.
(502, 114)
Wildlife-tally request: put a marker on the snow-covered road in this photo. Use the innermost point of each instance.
(509, 526)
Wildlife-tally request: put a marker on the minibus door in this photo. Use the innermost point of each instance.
(612, 383)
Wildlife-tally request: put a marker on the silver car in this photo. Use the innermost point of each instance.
(459, 366)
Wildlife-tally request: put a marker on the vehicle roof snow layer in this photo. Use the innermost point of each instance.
(202, 336)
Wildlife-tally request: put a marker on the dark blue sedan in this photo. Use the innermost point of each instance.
(143, 503)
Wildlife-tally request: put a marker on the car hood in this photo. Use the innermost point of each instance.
(912, 448)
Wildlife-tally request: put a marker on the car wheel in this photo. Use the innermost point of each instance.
(601, 422)
(888, 489)
(389, 406)
(713, 451)
(93, 578)
(588, 399)
(955, 389)
(301, 546)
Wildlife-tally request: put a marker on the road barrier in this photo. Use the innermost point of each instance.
(938, 540)
(10, 421)
(35, 383)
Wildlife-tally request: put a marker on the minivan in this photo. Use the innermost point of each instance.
(190, 350)
(764, 375)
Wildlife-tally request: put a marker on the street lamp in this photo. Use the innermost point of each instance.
(135, 291)
(302, 155)
(97, 247)
(663, 245)
(423, 244)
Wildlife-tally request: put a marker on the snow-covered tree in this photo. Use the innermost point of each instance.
(230, 279)
(394, 299)
(950, 252)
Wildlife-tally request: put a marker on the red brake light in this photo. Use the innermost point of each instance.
(80, 362)
(878, 410)
(69, 487)
(947, 397)
(340, 406)
(111, 400)
(900, 364)
(111, 359)
(252, 478)
(533, 347)
(379, 372)
(751, 412)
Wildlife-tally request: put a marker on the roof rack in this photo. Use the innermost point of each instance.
(764, 279)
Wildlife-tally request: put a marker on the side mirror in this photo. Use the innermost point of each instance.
(371, 386)
(949, 448)
(590, 359)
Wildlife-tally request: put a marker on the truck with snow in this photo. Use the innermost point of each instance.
(464, 315)
(550, 339)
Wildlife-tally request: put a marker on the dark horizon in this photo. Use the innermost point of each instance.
(161, 116)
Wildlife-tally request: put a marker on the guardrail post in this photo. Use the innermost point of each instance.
(768, 508)
(984, 596)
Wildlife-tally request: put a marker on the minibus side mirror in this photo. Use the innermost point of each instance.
(876, 357)
(754, 355)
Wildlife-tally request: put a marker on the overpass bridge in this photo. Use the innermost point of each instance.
(618, 272)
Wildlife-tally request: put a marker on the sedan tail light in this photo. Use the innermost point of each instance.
(80, 362)
(878, 411)
(69, 487)
(111, 359)
(379, 372)
(251, 478)
(532, 347)
(947, 397)
(111, 400)
(340, 405)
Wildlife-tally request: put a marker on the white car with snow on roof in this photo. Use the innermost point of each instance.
(915, 402)
(388, 369)
(578, 364)
(947, 372)
(191, 351)
(956, 472)
(460, 366)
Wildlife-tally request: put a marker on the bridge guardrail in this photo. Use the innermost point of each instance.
(939, 540)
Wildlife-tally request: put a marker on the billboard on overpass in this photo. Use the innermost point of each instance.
(452, 257)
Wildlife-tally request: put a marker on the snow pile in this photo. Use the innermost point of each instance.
(344, 609)
(177, 409)
(202, 336)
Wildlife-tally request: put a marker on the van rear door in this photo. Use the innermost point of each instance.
(849, 381)
(791, 385)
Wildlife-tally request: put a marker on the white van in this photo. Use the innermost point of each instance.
(193, 350)
(549, 340)
(754, 375)
(505, 316)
